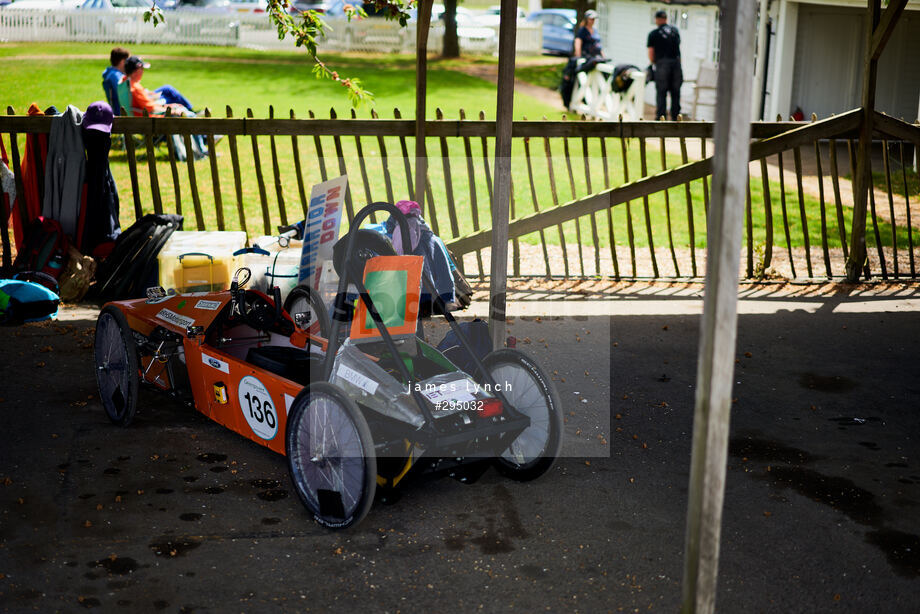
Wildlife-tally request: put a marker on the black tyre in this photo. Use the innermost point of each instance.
(304, 299)
(532, 393)
(116, 366)
(331, 456)
(368, 243)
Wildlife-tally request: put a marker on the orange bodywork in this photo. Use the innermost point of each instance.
(246, 399)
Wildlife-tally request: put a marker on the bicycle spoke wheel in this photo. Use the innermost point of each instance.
(331, 456)
(116, 366)
(530, 392)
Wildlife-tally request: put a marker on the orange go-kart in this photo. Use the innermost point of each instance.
(353, 413)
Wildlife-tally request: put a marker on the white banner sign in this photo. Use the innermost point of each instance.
(322, 227)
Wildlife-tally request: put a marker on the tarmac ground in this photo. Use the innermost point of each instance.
(177, 514)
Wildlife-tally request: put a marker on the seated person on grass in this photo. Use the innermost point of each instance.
(143, 99)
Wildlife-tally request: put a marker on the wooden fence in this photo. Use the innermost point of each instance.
(612, 199)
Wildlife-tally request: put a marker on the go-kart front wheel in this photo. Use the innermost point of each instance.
(116, 366)
(331, 456)
(532, 393)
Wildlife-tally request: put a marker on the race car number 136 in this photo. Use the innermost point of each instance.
(258, 408)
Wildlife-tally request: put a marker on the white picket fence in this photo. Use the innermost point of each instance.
(240, 30)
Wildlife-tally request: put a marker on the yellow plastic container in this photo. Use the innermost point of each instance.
(200, 261)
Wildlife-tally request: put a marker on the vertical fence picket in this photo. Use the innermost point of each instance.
(474, 204)
(610, 232)
(782, 201)
(257, 165)
(298, 170)
(705, 179)
(667, 210)
(131, 155)
(449, 181)
(577, 221)
(552, 188)
(749, 229)
(276, 172)
(174, 168)
(894, 226)
(910, 229)
(630, 233)
(320, 156)
(384, 163)
(515, 243)
(768, 215)
(340, 155)
(485, 164)
(410, 185)
(648, 216)
(838, 203)
(819, 171)
(215, 178)
(595, 238)
(535, 202)
(193, 181)
(851, 147)
(368, 199)
(237, 178)
(877, 234)
(152, 169)
(797, 158)
(684, 158)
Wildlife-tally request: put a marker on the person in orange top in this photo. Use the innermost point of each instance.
(142, 98)
(154, 102)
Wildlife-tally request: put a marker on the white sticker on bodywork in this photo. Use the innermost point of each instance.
(220, 365)
(456, 391)
(209, 305)
(353, 377)
(174, 318)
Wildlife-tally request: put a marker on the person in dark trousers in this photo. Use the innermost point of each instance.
(664, 53)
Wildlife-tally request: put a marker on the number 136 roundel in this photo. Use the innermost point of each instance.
(258, 408)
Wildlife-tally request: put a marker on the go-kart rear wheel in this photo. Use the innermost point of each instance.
(331, 456)
(116, 366)
(304, 299)
(532, 393)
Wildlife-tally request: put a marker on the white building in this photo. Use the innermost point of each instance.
(814, 54)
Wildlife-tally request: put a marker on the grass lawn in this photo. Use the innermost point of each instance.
(252, 79)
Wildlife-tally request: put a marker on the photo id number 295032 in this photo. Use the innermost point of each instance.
(453, 405)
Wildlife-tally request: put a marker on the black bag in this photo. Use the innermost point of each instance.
(477, 332)
(131, 267)
(621, 81)
(567, 84)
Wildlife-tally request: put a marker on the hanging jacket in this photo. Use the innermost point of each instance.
(65, 170)
(101, 210)
(32, 168)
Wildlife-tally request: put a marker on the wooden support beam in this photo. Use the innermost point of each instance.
(501, 200)
(718, 331)
(885, 27)
(862, 180)
(421, 83)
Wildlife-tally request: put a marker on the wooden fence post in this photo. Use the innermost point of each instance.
(732, 132)
(498, 283)
(878, 31)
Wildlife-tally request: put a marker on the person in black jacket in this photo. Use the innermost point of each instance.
(664, 52)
